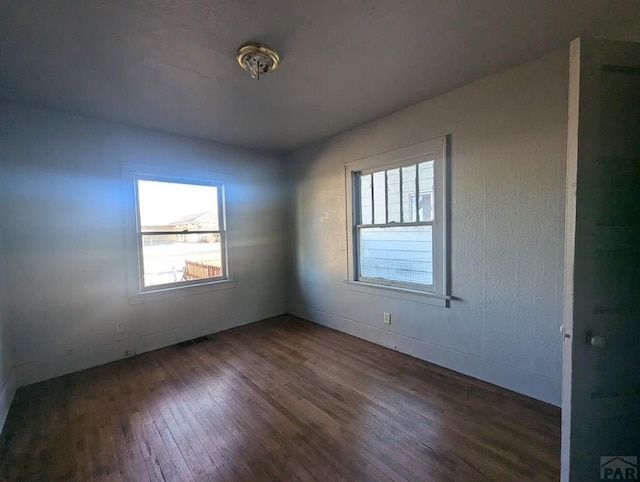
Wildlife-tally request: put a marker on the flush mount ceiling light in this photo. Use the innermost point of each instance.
(257, 59)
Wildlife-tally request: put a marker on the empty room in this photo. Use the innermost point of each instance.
(320, 240)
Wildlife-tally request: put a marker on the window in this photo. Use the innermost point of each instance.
(180, 232)
(397, 219)
(177, 236)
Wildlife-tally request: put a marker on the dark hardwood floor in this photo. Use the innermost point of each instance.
(281, 399)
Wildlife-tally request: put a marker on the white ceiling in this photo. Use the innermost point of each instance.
(170, 64)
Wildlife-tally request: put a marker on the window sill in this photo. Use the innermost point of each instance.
(406, 294)
(180, 291)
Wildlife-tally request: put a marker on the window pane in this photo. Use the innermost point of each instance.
(171, 206)
(402, 253)
(379, 198)
(180, 257)
(425, 202)
(393, 195)
(409, 194)
(366, 212)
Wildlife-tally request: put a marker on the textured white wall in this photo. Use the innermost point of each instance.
(508, 161)
(63, 218)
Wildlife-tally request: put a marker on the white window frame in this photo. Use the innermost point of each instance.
(138, 293)
(439, 292)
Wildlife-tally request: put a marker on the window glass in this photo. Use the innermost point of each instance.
(179, 230)
(172, 206)
(366, 208)
(409, 194)
(398, 253)
(401, 253)
(393, 196)
(379, 198)
(425, 200)
(180, 257)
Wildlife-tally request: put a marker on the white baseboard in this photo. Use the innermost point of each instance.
(526, 383)
(530, 384)
(37, 371)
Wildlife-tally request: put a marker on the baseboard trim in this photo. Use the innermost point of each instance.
(37, 371)
(530, 384)
(526, 383)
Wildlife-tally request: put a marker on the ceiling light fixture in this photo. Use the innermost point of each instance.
(257, 59)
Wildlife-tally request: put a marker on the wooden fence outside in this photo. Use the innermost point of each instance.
(201, 270)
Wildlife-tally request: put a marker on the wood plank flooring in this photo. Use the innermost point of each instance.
(282, 399)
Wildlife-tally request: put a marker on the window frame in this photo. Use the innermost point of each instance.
(434, 149)
(221, 231)
(137, 292)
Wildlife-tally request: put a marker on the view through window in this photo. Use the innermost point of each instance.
(180, 232)
(394, 227)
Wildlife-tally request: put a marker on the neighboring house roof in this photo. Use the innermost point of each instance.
(207, 221)
(206, 217)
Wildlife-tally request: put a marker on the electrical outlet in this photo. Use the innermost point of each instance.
(387, 318)
(119, 327)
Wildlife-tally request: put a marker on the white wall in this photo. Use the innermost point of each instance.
(508, 162)
(7, 385)
(62, 215)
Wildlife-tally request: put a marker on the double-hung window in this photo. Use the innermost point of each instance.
(179, 237)
(398, 219)
(180, 231)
